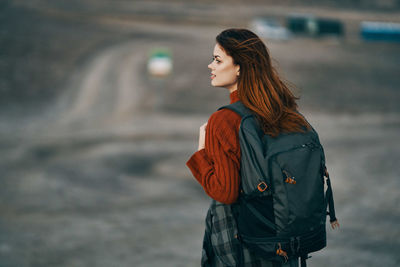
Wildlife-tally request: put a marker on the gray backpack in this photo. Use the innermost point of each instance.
(282, 207)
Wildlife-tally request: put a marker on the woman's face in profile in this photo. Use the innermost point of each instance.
(223, 72)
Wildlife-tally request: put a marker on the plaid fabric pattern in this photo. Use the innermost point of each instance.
(220, 247)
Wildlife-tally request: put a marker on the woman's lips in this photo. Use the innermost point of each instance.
(212, 76)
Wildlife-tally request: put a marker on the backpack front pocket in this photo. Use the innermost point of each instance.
(298, 175)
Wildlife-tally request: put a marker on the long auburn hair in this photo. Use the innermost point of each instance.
(259, 86)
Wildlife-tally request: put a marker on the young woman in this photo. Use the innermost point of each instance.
(241, 64)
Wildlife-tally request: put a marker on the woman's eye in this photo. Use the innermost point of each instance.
(218, 61)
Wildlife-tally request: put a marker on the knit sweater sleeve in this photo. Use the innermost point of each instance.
(217, 166)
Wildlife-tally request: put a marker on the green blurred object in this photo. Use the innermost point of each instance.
(160, 52)
(160, 62)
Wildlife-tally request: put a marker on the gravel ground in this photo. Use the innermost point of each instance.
(91, 179)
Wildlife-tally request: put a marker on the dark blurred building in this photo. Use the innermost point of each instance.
(308, 24)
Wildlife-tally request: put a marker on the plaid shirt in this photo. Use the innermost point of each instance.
(220, 247)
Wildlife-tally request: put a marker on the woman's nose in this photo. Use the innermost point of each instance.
(209, 66)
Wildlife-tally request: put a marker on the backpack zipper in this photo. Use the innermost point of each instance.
(311, 145)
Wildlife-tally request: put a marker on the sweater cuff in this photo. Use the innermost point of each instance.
(199, 164)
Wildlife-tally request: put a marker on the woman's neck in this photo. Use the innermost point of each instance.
(234, 88)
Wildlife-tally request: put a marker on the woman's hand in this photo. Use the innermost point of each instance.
(202, 136)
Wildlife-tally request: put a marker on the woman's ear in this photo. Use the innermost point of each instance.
(238, 70)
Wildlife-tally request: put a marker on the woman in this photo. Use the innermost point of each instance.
(241, 64)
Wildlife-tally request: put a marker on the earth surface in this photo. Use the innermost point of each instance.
(93, 148)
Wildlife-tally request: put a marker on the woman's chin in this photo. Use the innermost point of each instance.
(214, 84)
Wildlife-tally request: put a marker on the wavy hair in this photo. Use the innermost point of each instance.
(259, 85)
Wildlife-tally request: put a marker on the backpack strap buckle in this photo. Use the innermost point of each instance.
(262, 186)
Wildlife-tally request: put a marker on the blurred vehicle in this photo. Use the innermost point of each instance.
(380, 31)
(308, 24)
(269, 28)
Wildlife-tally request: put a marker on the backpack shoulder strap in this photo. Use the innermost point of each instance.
(239, 108)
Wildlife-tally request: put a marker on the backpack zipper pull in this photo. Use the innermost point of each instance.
(282, 253)
(289, 179)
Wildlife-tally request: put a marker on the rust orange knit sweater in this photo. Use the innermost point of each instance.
(217, 166)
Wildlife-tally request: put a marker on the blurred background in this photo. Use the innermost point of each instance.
(101, 103)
